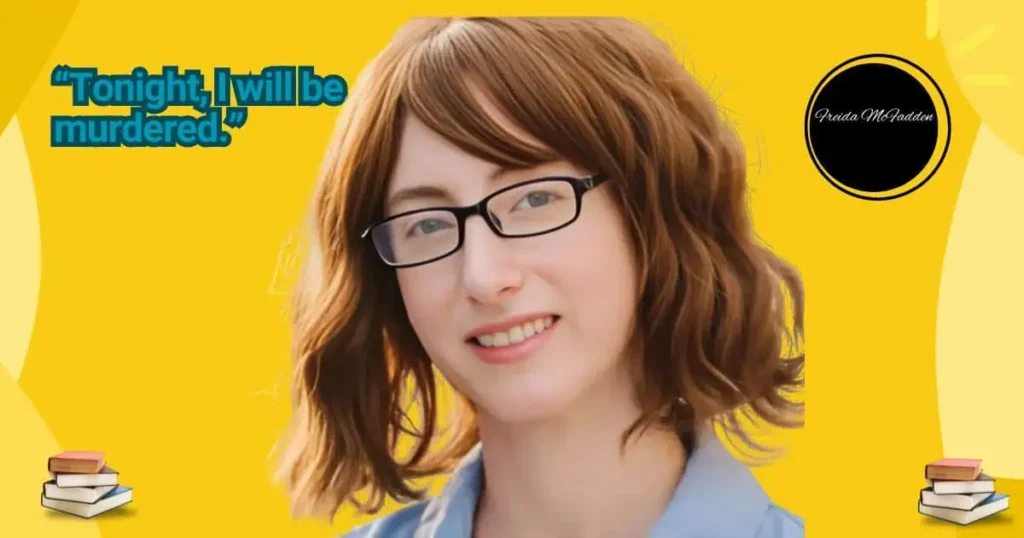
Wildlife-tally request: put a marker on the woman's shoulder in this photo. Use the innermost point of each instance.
(780, 523)
(401, 523)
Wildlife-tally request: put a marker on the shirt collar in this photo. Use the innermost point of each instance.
(716, 496)
(450, 514)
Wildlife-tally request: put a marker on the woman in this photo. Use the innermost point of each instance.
(549, 215)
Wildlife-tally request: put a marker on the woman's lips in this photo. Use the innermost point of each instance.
(513, 353)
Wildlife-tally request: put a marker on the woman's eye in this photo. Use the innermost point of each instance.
(427, 226)
(535, 199)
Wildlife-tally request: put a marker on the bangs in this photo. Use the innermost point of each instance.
(468, 68)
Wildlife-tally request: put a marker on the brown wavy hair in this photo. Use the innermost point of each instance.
(719, 316)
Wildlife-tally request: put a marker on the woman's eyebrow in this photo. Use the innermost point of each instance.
(417, 192)
(499, 172)
(543, 168)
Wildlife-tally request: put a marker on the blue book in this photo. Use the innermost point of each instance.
(118, 497)
(993, 505)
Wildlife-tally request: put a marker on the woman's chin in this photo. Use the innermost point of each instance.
(525, 405)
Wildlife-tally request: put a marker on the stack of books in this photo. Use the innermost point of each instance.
(83, 485)
(958, 491)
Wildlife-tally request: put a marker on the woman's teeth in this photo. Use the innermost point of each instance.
(515, 334)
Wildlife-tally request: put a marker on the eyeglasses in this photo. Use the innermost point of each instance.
(527, 209)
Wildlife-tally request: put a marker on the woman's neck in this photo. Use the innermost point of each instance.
(566, 477)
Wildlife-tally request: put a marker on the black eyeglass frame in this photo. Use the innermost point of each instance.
(580, 186)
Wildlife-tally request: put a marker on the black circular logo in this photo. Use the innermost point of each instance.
(877, 127)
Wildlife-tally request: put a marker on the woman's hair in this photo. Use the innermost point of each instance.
(606, 94)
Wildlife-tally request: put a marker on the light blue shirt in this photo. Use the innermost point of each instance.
(717, 497)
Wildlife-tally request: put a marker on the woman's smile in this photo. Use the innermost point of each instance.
(512, 340)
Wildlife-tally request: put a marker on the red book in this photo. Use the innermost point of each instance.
(953, 469)
(76, 461)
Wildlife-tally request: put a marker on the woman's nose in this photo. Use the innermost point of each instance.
(490, 271)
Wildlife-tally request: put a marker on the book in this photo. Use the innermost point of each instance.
(953, 469)
(105, 477)
(84, 494)
(983, 484)
(118, 497)
(960, 502)
(993, 505)
(76, 461)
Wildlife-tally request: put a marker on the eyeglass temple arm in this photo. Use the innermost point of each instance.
(593, 181)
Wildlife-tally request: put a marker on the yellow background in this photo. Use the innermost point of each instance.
(159, 335)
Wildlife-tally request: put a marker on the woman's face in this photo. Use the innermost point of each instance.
(551, 314)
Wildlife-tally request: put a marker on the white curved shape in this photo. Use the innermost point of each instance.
(979, 352)
(19, 250)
